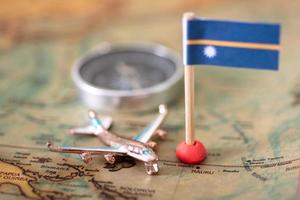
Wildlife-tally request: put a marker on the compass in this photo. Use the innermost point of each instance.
(128, 77)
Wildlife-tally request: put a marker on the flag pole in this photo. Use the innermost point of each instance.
(191, 151)
(189, 88)
(189, 91)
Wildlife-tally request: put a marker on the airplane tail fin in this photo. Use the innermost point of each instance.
(163, 109)
(96, 122)
(106, 122)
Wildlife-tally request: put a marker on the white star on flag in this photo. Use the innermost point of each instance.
(210, 51)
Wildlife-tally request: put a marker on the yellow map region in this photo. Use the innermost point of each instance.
(10, 174)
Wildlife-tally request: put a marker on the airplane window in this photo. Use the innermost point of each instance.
(134, 149)
(147, 151)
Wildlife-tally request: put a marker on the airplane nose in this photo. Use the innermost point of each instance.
(153, 157)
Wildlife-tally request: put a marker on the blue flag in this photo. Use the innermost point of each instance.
(230, 43)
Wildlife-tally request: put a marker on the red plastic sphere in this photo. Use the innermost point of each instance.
(191, 154)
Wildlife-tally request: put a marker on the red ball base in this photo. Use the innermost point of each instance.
(191, 154)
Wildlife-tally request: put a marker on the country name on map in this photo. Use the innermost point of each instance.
(12, 176)
(259, 176)
(200, 171)
(292, 168)
(145, 192)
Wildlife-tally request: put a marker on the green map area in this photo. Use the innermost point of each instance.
(248, 120)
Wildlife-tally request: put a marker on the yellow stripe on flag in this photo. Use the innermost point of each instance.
(234, 44)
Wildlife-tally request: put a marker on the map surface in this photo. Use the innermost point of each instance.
(248, 120)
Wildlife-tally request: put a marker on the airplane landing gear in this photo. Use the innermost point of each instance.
(86, 157)
(110, 158)
(151, 167)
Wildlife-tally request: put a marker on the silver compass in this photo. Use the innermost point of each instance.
(128, 77)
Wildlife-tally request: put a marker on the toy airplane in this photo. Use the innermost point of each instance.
(139, 147)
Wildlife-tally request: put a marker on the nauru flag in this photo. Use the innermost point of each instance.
(231, 43)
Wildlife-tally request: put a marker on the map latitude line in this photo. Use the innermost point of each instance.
(163, 160)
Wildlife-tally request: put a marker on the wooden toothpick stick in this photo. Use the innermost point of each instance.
(189, 104)
(188, 88)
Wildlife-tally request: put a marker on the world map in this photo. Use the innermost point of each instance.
(248, 120)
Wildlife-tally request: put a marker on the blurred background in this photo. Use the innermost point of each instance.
(51, 34)
(32, 21)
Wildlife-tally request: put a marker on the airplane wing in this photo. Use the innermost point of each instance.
(80, 150)
(147, 133)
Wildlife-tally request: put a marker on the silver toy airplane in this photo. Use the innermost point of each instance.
(139, 147)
